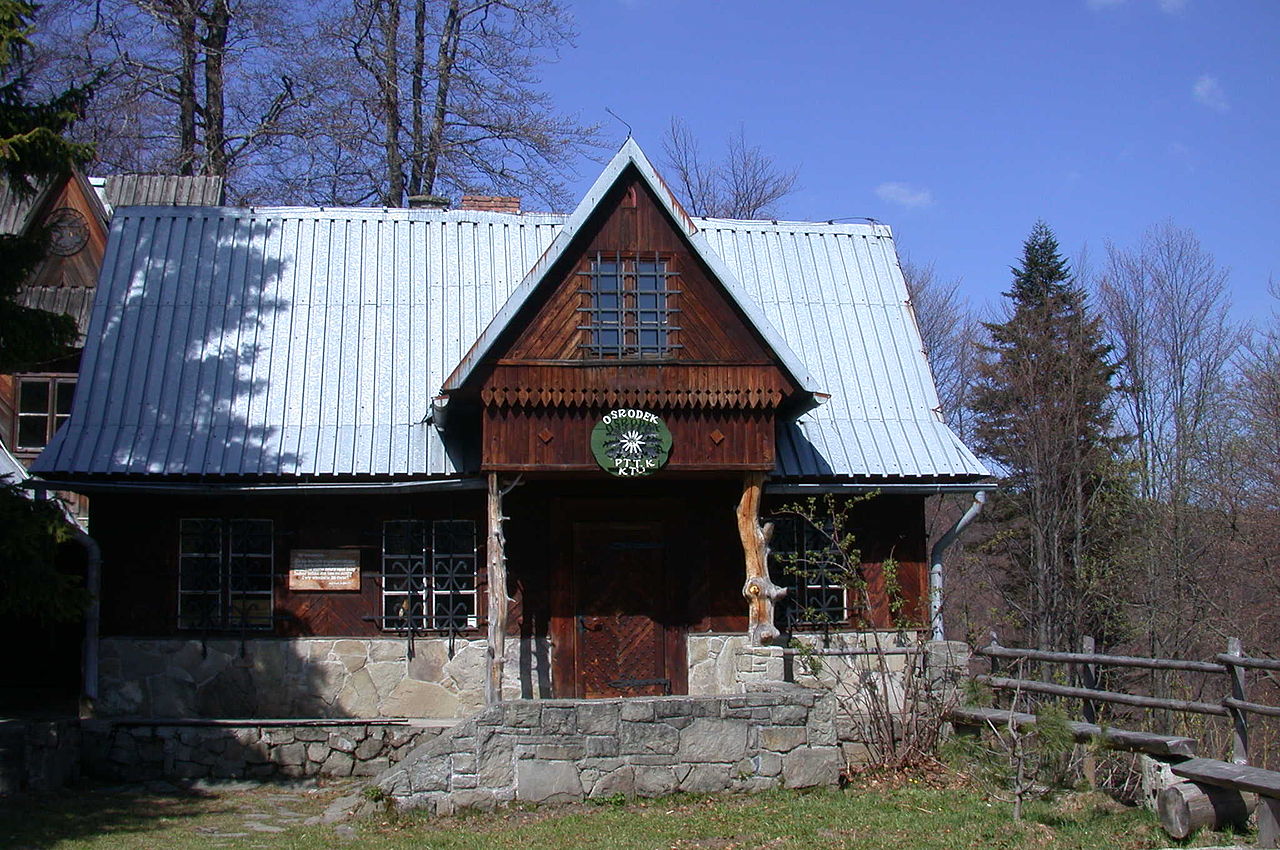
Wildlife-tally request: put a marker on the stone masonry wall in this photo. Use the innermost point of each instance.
(564, 750)
(134, 752)
(38, 755)
(309, 677)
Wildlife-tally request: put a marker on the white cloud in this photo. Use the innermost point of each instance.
(904, 195)
(1173, 7)
(1208, 92)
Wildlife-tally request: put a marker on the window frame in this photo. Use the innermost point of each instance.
(818, 580)
(634, 318)
(426, 574)
(52, 417)
(234, 590)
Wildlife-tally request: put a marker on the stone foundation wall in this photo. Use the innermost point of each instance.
(134, 752)
(564, 750)
(38, 756)
(310, 677)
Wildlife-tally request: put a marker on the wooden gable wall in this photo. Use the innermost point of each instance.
(81, 268)
(718, 388)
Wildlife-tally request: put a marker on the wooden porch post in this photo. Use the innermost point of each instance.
(760, 591)
(497, 564)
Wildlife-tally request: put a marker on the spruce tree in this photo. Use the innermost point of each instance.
(1043, 416)
(32, 151)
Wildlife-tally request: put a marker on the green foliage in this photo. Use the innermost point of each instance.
(30, 584)
(32, 152)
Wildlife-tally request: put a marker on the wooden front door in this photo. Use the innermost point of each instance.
(623, 644)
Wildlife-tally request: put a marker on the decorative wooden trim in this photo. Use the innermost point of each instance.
(759, 589)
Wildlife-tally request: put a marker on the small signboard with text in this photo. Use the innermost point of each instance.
(324, 569)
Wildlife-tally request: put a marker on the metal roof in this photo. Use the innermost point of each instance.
(310, 342)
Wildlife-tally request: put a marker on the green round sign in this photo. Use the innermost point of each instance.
(628, 443)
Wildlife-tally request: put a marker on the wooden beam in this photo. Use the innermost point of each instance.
(497, 568)
(759, 589)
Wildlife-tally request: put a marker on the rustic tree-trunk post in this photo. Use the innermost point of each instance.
(1089, 679)
(1239, 721)
(760, 591)
(497, 564)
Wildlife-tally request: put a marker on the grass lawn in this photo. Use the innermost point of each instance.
(895, 814)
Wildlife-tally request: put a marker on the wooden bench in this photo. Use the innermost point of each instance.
(1238, 777)
(970, 719)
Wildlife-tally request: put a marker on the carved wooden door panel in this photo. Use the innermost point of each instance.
(621, 596)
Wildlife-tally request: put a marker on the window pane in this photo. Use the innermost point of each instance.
(33, 431)
(34, 397)
(66, 390)
(201, 537)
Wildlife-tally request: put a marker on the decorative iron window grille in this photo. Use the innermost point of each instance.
(429, 588)
(225, 574)
(801, 560)
(630, 307)
(44, 403)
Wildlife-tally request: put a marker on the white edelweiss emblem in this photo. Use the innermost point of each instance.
(631, 442)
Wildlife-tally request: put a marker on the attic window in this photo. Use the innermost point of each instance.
(630, 307)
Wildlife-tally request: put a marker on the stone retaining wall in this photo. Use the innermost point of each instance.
(133, 752)
(564, 750)
(38, 756)
(310, 677)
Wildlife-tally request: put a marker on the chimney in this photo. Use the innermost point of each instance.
(428, 202)
(491, 203)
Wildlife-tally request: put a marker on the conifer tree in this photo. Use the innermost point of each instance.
(1043, 416)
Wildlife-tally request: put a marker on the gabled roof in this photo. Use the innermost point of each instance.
(630, 156)
(156, 190)
(309, 343)
(18, 211)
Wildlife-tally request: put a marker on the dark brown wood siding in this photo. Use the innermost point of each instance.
(139, 540)
(559, 439)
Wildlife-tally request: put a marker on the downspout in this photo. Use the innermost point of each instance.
(935, 561)
(92, 619)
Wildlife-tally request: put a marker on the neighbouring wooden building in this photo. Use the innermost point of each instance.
(358, 462)
(74, 211)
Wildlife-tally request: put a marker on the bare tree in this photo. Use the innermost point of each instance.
(746, 184)
(192, 86)
(1167, 317)
(949, 332)
(474, 119)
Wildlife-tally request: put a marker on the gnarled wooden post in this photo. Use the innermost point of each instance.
(760, 591)
(497, 564)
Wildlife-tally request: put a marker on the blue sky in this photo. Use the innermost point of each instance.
(961, 123)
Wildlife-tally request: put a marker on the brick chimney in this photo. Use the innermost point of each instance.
(491, 203)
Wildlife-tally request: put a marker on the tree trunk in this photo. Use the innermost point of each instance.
(418, 140)
(497, 564)
(446, 58)
(759, 589)
(389, 21)
(1185, 807)
(217, 23)
(185, 18)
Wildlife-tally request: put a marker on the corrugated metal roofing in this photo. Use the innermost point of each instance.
(303, 342)
(155, 190)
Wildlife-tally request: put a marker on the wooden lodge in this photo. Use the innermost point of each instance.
(401, 462)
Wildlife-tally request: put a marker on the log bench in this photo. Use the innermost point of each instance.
(970, 719)
(1210, 775)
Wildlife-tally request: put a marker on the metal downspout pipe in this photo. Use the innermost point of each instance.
(935, 562)
(92, 620)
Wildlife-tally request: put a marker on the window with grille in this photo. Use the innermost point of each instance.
(429, 575)
(800, 559)
(225, 574)
(44, 403)
(630, 307)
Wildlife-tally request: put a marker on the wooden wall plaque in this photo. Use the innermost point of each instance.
(324, 569)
